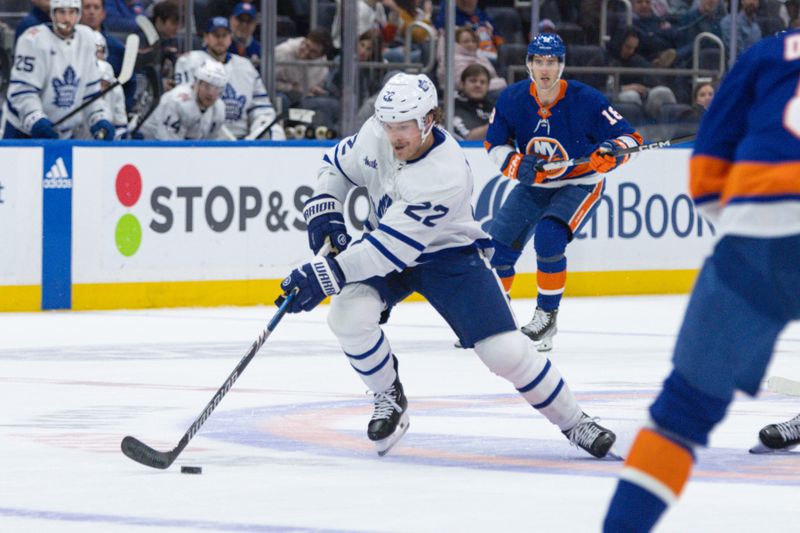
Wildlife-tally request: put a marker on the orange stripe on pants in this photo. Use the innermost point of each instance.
(660, 458)
(507, 282)
(587, 204)
(551, 281)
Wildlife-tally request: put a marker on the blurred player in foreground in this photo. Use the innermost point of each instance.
(745, 177)
(421, 237)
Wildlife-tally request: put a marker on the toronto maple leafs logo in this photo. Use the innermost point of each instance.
(66, 89)
(388, 96)
(423, 84)
(234, 105)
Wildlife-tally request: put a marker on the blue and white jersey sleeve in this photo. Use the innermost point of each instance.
(500, 135)
(340, 167)
(29, 76)
(429, 210)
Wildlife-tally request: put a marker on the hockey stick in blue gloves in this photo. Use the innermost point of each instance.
(144, 454)
(625, 151)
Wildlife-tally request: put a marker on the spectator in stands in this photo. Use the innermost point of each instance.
(464, 55)
(296, 81)
(243, 23)
(469, 14)
(403, 13)
(472, 108)
(701, 98)
(658, 39)
(166, 20)
(121, 14)
(748, 33)
(93, 14)
(547, 26)
(327, 104)
(647, 91)
(39, 14)
(704, 17)
(371, 17)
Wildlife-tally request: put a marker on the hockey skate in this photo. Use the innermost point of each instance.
(390, 419)
(780, 437)
(590, 436)
(541, 329)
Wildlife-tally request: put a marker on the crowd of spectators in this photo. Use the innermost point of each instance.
(489, 51)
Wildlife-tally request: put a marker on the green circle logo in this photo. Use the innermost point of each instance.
(128, 235)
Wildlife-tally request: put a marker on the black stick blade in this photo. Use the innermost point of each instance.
(144, 454)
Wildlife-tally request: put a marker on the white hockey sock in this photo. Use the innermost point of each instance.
(511, 356)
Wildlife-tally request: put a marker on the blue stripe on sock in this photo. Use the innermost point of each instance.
(368, 352)
(552, 396)
(537, 379)
(372, 371)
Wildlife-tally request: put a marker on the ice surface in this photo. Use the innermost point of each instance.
(287, 451)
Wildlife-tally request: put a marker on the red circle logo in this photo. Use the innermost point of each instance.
(129, 185)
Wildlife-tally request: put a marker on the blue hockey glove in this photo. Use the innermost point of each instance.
(103, 130)
(527, 169)
(313, 282)
(324, 218)
(43, 129)
(604, 158)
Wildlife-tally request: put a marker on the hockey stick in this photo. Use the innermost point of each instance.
(154, 82)
(780, 385)
(148, 30)
(625, 151)
(125, 73)
(144, 454)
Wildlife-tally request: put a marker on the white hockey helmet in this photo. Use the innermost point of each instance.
(212, 72)
(407, 97)
(64, 4)
(101, 45)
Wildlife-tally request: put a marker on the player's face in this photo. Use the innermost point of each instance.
(405, 138)
(476, 87)
(65, 20)
(218, 42)
(704, 95)
(207, 94)
(244, 26)
(93, 14)
(545, 71)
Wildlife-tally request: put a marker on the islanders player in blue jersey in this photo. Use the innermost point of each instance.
(541, 120)
(745, 177)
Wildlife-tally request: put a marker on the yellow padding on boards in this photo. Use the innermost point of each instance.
(18, 298)
(661, 459)
(264, 291)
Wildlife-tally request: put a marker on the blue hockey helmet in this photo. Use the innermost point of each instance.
(547, 44)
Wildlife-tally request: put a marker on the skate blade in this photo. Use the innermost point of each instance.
(612, 455)
(384, 445)
(760, 449)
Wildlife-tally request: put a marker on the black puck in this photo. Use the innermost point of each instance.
(191, 470)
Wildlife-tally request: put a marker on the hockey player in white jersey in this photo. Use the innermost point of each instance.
(114, 100)
(422, 237)
(190, 111)
(54, 72)
(247, 106)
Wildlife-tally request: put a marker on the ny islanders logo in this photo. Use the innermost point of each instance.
(66, 88)
(549, 150)
(234, 105)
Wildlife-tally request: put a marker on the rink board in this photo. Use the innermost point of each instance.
(169, 224)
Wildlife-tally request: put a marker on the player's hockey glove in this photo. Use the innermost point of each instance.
(527, 169)
(43, 129)
(324, 218)
(102, 130)
(313, 282)
(604, 158)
